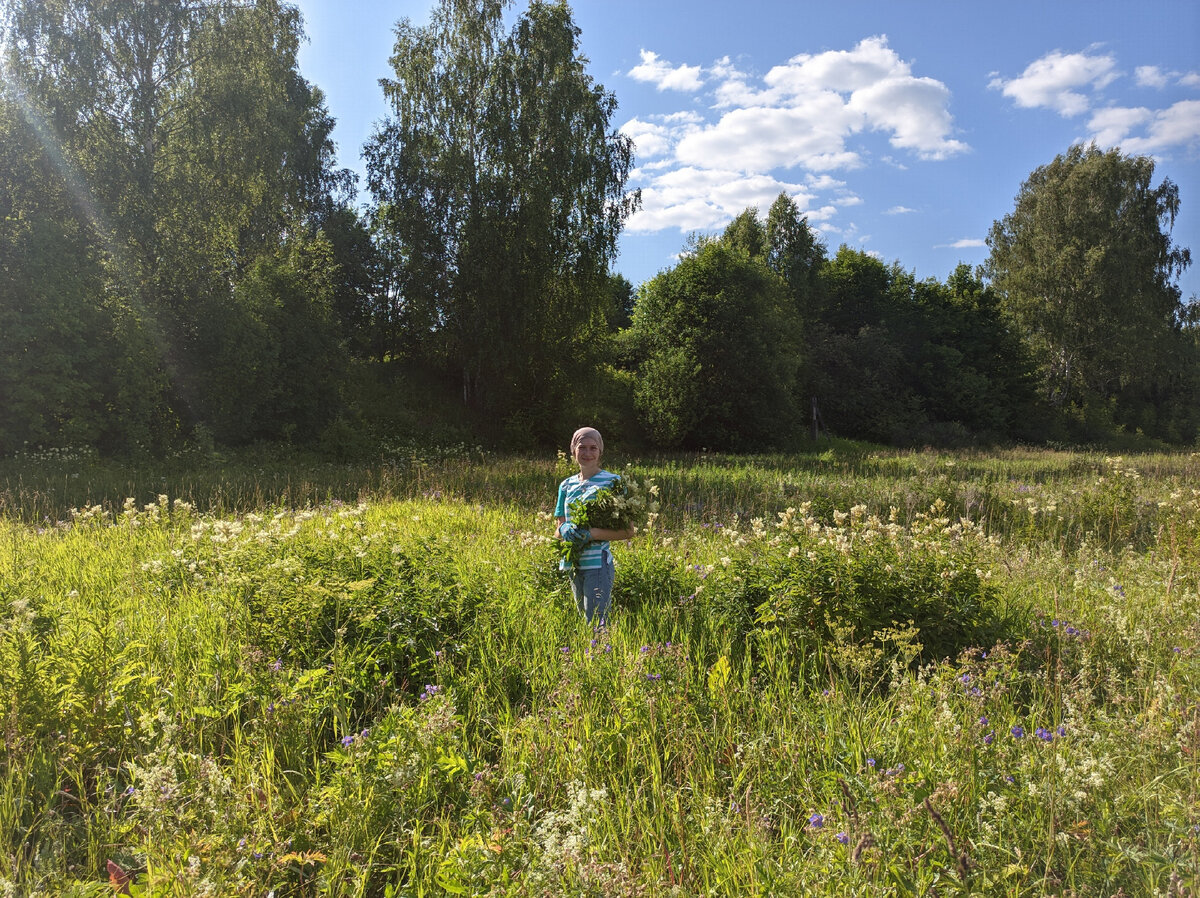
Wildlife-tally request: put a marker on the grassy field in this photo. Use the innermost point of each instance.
(847, 671)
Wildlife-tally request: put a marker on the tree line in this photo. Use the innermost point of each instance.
(182, 264)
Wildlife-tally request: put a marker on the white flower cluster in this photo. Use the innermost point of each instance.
(564, 836)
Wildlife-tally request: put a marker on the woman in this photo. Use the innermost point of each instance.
(592, 576)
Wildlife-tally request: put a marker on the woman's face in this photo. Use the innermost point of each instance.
(587, 454)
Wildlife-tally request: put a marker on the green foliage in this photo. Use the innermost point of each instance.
(399, 697)
(1085, 266)
(173, 147)
(858, 578)
(499, 190)
(907, 362)
(716, 343)
(52, 352)
(795, 254)
(624, 504)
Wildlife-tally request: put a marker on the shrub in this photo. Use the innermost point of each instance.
(861, 577)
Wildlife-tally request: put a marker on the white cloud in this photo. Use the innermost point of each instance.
(649, 139)
(1150, 76)
(812, 106)
(762, 138)
(692, 198)
(1112, 125)
(1176, 126)
(915, 110)
(664, 76)
(733, 88)
(1055, 81)
(1191, 79)
(844, 71)
(899, 210)
(823, 182)
(657, 135)
(968, 243)
(810, 113)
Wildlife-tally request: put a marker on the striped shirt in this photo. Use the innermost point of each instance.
(574, 490)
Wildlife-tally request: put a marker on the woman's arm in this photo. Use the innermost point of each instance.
(600, 534)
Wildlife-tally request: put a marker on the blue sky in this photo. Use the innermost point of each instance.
(901, 128)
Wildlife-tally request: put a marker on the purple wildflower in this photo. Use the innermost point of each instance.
(816, 821)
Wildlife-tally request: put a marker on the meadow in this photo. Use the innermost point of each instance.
(843, 671)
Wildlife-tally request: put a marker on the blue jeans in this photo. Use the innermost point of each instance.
(593, 590)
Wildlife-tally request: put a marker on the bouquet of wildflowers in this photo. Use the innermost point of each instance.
(624, 503)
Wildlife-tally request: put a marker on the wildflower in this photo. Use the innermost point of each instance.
(1044, 734)
(277, 666)
(871, 763)
(843, 838)
(1062, 730)
(987, 740)
(816, 821)
(347, 741)
(1018, 732)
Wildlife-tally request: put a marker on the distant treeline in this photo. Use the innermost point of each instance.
(182, 265)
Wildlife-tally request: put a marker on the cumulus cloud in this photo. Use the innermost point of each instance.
(665, 76)
(810, 114)
(1111, 126)
(914, 110)
(760, 138)
(810, 107)
(657, 135)
(1151, 76)
(899, 210)
(1056, 80)
(1176, 126)
(1069, 83)
(692, 198)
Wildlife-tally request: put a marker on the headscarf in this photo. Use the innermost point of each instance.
(587, 432)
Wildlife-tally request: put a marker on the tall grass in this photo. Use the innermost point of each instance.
(355, 680)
